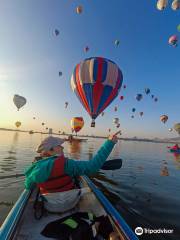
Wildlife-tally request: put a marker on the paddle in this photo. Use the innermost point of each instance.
(112, 164)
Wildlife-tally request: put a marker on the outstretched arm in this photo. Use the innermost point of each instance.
(79, 168)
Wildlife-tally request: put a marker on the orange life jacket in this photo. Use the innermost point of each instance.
(58, 181)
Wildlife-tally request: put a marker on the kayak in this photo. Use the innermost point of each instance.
(175, 151)
(20, 224)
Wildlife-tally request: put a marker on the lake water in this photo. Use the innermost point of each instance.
(146, 190)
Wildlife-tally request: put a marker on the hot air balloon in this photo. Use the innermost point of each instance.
(121, 97)
(102, 114)
(109, 130)
(175, 4)
(161, 4)
(141, 114)
(178, 28)
(19, 101)
(96, 82)
(56, 32)
(173, 40)
(34, 118)
(115, 109)
(170, 129)
(77, 123)
(116, 120)
(156, 99)
(42, 124)
(60, 74)
(139, 97)
(118, 125)
(132, 116)
(177, 128)
(124, 86)
(46, 128)
(18, 124)
(152, 96)
(164, 118)
(116, 42)
(66, 104)
(133, 109)
(86, 49)
(147, 90)
(79, 10)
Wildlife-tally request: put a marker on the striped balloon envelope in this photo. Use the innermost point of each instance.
(96, 82)
(76, 124)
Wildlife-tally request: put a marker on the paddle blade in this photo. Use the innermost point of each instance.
(112, 164)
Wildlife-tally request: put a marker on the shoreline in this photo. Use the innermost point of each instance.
(101, 137)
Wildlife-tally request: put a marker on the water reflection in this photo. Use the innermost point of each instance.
(164, 169)
(177, 160)
(8, 163)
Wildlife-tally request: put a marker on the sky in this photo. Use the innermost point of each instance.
(32, 56)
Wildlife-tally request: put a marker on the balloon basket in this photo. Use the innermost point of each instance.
(93, 124)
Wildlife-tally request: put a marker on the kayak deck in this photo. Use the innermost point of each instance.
(30, 228)
(21, 224)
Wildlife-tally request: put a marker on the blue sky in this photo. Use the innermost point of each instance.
(31, 57)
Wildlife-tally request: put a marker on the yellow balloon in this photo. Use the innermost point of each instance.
(77, 123)
(18, 124)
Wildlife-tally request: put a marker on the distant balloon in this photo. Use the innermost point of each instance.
(132, 116)
(170, 129)
(133, 109)
(46, 128)
(34, 118)
(121, 97)
(66, 104)
(79, 10)
(115, 109)
(175, 5)
(56, 32)
(139, 97)
(96, 81)
(19, 101)
(116, 42)
(86, 49)
(173, 40)
(118, 125)
(141, 114)
(156, 99)
(59, 131)
(164, 118)
(147, 90)
(109, 129)
(60, 74)
(152, 96)
(124, 86)
(161, 4)
(42, 124)
(18, 124)
(116, 120)
(177, 128)
(77, 123)
(178, 28)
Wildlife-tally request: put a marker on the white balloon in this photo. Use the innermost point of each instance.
(19, 101)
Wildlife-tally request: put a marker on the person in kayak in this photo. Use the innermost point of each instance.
(175, 147)
(54, 174)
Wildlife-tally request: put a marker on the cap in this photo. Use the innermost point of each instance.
(48, 143)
